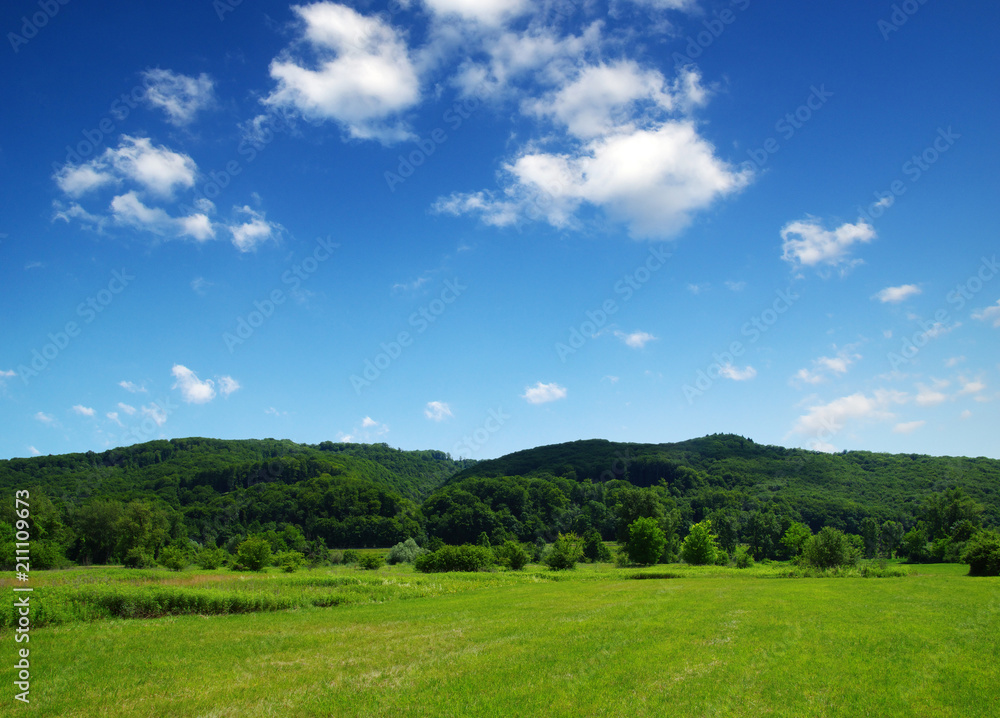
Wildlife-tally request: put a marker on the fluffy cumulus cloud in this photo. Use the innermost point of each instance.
(822, 421)
(437, 411)
(627, 148)
(193, 390)
(895, 295)
(179, 96)
(807, 243)
(81, 410)
(543, 393)
(145, 178)
(486, 12)
(359, 73)
(989, 314)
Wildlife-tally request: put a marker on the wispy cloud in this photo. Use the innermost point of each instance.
(543, 393)
(806, 243)
(81, 410)
(179, 96)
(895, 295)
(635, 340)
(437, 411)
(193, 390)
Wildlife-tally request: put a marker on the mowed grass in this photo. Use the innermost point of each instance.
(597, 644)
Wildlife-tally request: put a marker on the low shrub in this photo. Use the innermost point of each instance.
(455, 558)
(174, 558)
(211, 558)
(350, 556)
(982, 553)
(511, 555)
(565, 553)
(404, 552)
(742, 558)
(136, 558)
(289, 561)
(370, 561)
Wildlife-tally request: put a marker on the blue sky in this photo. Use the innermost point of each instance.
(486, 225)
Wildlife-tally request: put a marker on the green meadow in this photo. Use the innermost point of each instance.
(595, 641)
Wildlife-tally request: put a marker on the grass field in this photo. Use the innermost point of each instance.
(594, 643)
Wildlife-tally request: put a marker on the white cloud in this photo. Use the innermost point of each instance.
(970, 386)
(806, 243)
(636, 340)
(113, 415)
(697, 289)
(928, 396)
(159, 170)
(193, 390)
(45, 418)
(181, 97)
(437, 411)
(652, 180)
(487, 12)
(368, 422)
(227, 385)
(77, 180)
(252, 230)
(604, 99)
(130, 410)
(954, 361)
(989, 314)
(129, 210)
(132, 387)
(966, 414)
(83, 410)
(907, 427)
(666, 4)
(823, 367)
(542, 393)
(154, 412)
(894, 295)
(34, 451)
(731, 372)
(611, 378)
(736, 286)
(823, 420)
(200, 286)
(363, 77)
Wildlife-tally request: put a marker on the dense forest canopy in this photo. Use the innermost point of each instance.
(96, 507)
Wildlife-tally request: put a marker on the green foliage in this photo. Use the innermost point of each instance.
(211, 558)
(174, 558)
(512, 555)
(699, 547)
(594, 549)
(289, 561)
(644, 542)
(371, 561)
(404, 552)
(795, 539)
(829, 548)
(982, 553)
(254, 554)
(721, 557)
(350, 556)
(742, 558)
(136, 558)
(483, 540)
(466, 557)
(565, 553)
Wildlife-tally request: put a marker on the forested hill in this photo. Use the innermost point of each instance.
(713, 470)
(172, 470)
